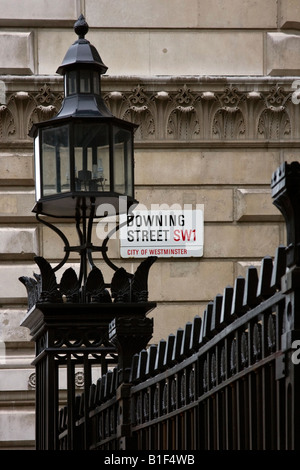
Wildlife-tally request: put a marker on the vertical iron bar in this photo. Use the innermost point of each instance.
(239, 407)
(270, 407)
(259, 410)
(87, 384)
(71, 402)
(126, 166)
(58, 169)
(89, 233)
(84, 158)
(81, 241)
(40, 425)
(266, 401)
(227, 418)
(252, 406)
(51, 403)
(208, 423)
(221, 412)
(234, 415)
(62, 236)
(289, 416)
(215, 422)
(245, 427)
(84, 233)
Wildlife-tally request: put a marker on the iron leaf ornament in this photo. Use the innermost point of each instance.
(124, 287)
(32, 290)
(139, 286)
(128, 288)
(120, 286)
(49, 288)
(69, 285)
(96, 288)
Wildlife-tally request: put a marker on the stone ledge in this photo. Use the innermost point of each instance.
(38, 13)
(11, 289)
(165, 14)
(13, 421)
(16, 169)
(210, 167)
(16, 53)
(16, 206)
(161, 52)
(14, 379)
(282, 54)
(19, 243)
(256, 205)
(289, 17)
(240, 241)
(18, 445)
(237, 14)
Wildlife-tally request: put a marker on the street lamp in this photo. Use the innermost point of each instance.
(83, 160)
(84, 155)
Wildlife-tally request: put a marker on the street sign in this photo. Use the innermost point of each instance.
(162, 233)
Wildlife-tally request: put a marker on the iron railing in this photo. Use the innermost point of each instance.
(225, 381)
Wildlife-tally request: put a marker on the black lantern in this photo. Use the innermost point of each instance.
(84, 154)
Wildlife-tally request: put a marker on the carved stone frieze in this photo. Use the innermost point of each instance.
(79, 379)
(24, 108)
(171, 110)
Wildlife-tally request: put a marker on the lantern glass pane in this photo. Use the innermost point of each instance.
(85, 81)
(91, 154)
(37, 166)
(55, 160)
(72, 82)
(123, 183)
(96, 84)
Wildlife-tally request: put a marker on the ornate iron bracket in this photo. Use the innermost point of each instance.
(89, 286)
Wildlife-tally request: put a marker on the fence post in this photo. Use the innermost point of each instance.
(285, 187)
(129, 335)
(70, 330)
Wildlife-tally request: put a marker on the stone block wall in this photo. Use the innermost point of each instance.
(213, 87)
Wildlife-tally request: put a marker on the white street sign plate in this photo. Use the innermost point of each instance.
(162, 233)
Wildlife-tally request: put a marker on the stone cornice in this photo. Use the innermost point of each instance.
(198, 111)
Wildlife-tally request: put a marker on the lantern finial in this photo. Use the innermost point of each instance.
(81, 27)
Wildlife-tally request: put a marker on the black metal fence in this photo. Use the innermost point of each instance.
(225, 381)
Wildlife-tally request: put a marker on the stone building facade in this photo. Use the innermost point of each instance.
(213, 85)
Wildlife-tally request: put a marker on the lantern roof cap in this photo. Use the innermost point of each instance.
(82, 53)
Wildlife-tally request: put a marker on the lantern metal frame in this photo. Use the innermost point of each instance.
(66, 204)
(108, 136)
